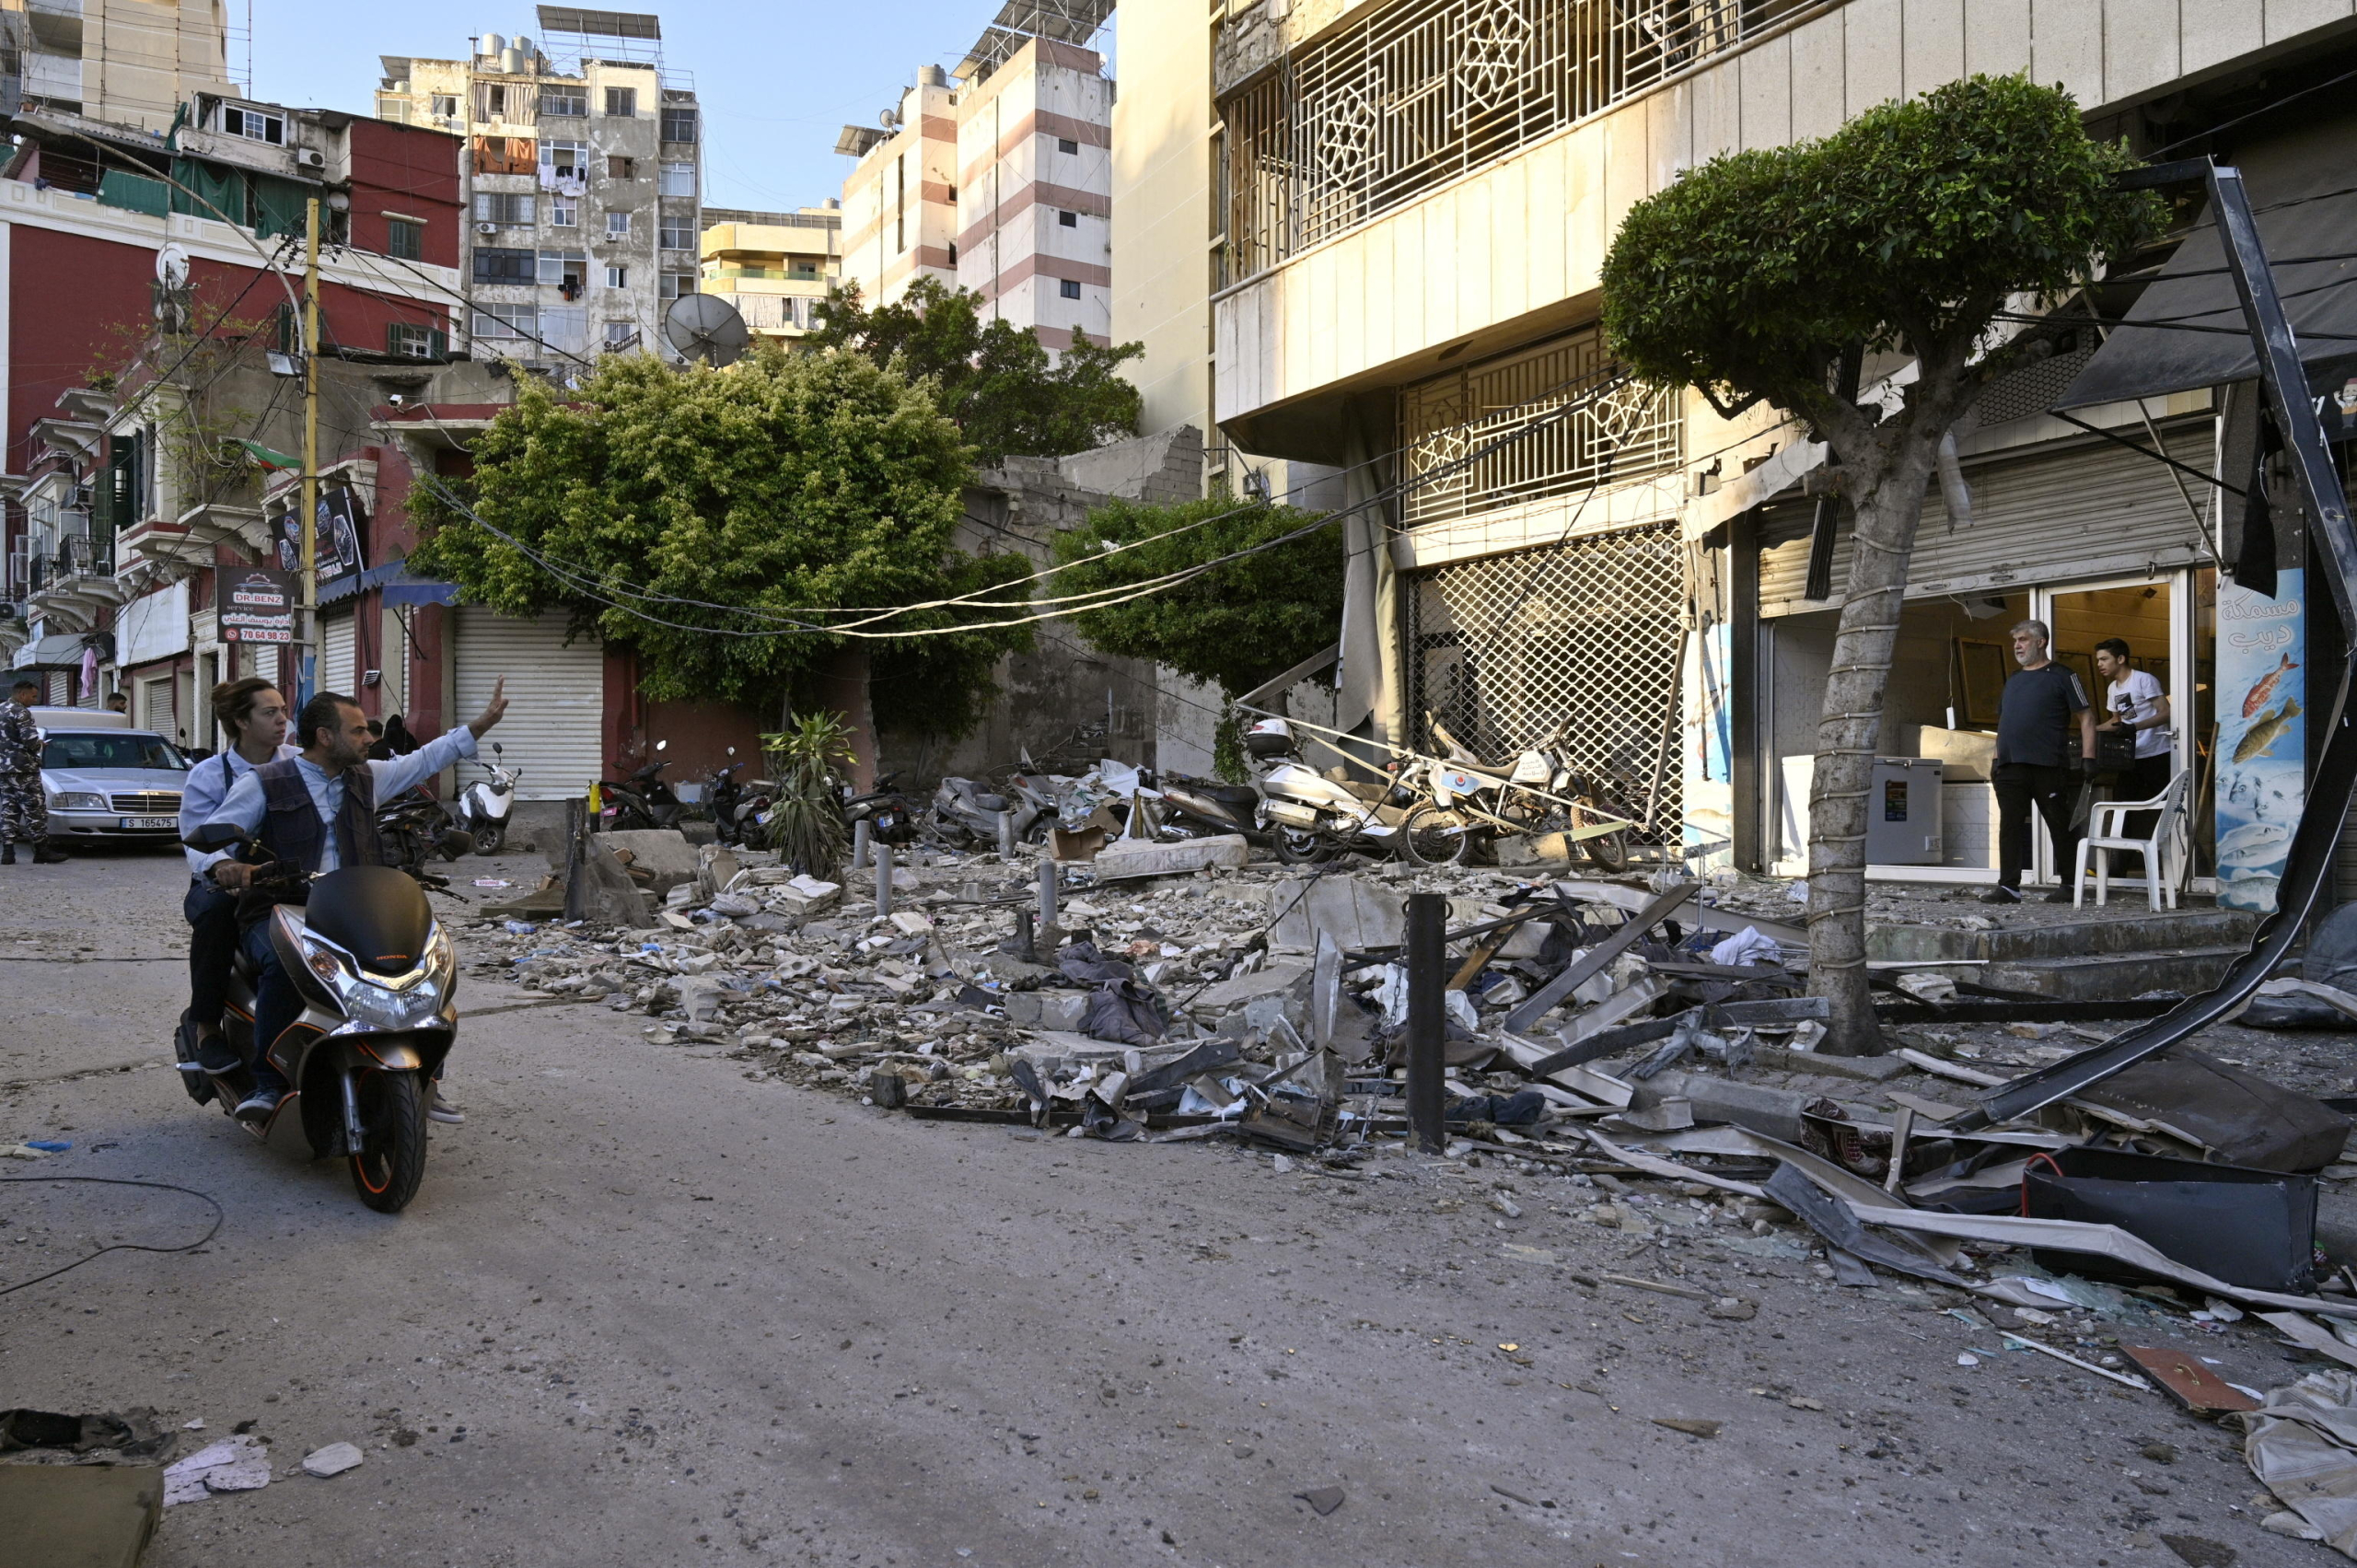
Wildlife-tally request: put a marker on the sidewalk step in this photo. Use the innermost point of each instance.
(2063, 938)
(2111, 977)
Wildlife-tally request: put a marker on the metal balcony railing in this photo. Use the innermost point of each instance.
(1357, 124)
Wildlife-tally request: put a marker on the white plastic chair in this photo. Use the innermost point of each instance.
(2163, 853)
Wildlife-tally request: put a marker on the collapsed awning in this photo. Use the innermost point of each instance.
(2187, 330)
(396, 583)
(59, 650)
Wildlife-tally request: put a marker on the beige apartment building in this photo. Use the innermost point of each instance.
(1365, 239)
(584, 182)
(124, 62)
(997, 180)
(776, 268)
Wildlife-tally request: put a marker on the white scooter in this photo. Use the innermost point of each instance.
(1311, 818)
(483, 808)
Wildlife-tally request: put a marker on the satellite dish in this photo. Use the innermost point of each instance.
(890, 120)
(705, 326)
(172, 266)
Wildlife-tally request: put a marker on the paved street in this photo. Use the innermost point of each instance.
(644, 1310)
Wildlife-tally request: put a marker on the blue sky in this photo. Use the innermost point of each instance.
(777, 81)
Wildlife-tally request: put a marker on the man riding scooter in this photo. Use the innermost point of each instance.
(253, 715)
(316, 812)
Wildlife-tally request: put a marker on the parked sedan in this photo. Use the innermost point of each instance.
(112, 784)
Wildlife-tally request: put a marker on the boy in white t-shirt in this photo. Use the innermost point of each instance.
(2133, 699)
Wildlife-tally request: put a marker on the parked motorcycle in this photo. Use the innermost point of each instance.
(413, 828)
(483, 808)
(724, 798)
(892, 817)
(643, 800)
(1311, 818)
(1473, 799)
(377, 976)
(1193, 808)
(966, 814)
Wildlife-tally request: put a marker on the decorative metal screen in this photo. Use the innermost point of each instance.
(1616, 430)
(1503, 649)
(1360, 122)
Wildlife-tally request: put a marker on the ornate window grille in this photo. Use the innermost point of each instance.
(1586, 634)
(1356, 124)
(1616, 430)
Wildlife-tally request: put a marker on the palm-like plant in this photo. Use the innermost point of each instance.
(806, 824)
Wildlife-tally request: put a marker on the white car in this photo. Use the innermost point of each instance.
(105, 780)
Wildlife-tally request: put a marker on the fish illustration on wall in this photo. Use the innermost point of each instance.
(2245, 843)
(2267, 731)
(2264, 687)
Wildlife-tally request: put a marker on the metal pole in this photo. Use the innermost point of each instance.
(1047, 892)
(883, 880)
(1427, 983)
(307, 650)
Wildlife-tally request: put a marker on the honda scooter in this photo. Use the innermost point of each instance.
(377, 976)
(1310, 817)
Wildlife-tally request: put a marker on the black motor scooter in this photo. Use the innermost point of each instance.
(1194, 808)
(643, 800)
(377, 976)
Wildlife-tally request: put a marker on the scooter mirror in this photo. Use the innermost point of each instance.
(216, 836)
(732, 751)
(495, 748)
(662, 745)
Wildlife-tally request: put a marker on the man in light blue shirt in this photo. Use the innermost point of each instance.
(341, 828)
(253, 715)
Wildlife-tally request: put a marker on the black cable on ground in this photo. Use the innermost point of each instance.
(220, 1218)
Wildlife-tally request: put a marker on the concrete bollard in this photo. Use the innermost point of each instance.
(859, 832)
(883, 880)
(1047, 892)
(1007, 835)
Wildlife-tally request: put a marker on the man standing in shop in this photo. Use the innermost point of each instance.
(2042, 705)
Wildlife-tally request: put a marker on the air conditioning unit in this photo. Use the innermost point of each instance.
(486, 228)
(311, 157)
(77, 498)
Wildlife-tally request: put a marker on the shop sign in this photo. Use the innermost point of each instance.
(257, 605)
(2262, 738)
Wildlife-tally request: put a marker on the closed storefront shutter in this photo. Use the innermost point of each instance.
(337, 646)
(2053, 517)
(556, 698)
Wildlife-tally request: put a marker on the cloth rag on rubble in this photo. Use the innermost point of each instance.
(1125, 1012)
(1747, 946)
(1083, 962)
(2302, 1444)
(1521, 1108)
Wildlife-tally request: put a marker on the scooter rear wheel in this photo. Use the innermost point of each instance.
(1434, 835)
(392, 1154)
(1300, 846)
(491, 838)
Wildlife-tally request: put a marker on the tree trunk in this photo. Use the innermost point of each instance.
(1887, 481)
(842, 689)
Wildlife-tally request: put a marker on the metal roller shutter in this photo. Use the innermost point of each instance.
(338, 672)
(2088, 511)
(556, 698)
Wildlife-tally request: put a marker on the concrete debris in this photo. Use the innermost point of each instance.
(331, 1460)
(235, 1464)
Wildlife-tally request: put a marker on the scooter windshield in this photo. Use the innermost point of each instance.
(377, 914)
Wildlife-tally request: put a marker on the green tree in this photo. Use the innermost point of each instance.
(991, 378)
(682, 508)
(1234, 625)
(1771, 275)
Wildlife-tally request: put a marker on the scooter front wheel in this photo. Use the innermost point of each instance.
(1434, 835)
(391, 1160)
(1300, 846)
(491, 838)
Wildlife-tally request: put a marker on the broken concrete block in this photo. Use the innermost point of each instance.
(331, 1460)
(1047, 1009)
(908, 922)
(1357, 913)
(1776, 1113)
(1272, 980)
(660, 853)
(1139, 858)
(1535, 849)
(806, 895)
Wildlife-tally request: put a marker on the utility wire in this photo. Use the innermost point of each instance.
(219, 1218)
(2159, 153)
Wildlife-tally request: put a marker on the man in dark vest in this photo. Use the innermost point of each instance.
(316, 810)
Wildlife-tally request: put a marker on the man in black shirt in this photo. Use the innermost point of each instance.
(2042, 704)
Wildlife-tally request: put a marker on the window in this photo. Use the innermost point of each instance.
(446, 106)
(1068, 220)
(621, 335)
(565, 103)
(617, 278)
(565, 270)
(622, 168)
(1068, 287)
(491, 100)
(565, 162)
(621, 102)
(564, 212)
(1066, 145)
(506, 321)
(508, 207)
(678, 179)
(254, 125)
(671, 285)
(617, 226)
(405, 239)
(953, 252)
(675, 234)
(495, 265)
(504, 155)
(679, 124)
(415, 341)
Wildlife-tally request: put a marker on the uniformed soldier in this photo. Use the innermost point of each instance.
(24, 814)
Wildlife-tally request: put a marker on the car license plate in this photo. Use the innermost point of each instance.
(140, 824)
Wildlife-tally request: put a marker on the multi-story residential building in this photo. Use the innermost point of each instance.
(1001, 183)
(584, 182)
(143, 423)
(1371, 237)
(131, 62)
(776, 268)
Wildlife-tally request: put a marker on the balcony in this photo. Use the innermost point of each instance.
(74, 581)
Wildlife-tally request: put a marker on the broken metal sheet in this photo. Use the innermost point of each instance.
(2192, 1380)
(2310, 1335)
(2302, 1444)
(1838, 1222)
(1599, 958)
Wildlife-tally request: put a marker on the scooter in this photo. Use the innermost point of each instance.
(1312, 819)
(377, 976)
(966, 816)
(644, 800)
(484, 807)
(412, 827)
(1194, 808)
(891, 817)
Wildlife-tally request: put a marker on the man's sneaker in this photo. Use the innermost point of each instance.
(259, 1105)
(2060, 895)
(215, 1054)
(440, 1108)
(2001, 896)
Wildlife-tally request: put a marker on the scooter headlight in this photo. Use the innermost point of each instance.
(369, 1002)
